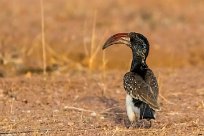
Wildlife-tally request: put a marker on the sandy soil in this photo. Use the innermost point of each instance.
(93, 104)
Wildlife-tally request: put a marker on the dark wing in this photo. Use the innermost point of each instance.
(136, 87)
(151, 80)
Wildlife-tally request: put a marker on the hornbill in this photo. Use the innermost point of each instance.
(140, 83)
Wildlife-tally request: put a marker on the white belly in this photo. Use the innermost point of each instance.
(132, 111)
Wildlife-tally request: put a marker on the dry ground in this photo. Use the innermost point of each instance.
(90, 104)
(82, 93)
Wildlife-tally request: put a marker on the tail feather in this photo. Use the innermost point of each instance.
(146, 112)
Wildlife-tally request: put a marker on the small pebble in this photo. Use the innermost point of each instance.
(93, 114)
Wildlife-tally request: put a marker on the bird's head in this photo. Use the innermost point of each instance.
(136, 41)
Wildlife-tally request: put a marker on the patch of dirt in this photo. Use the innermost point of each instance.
(91, 104)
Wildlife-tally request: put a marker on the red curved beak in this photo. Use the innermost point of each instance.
(119, 38)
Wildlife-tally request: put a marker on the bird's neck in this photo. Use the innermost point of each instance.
(138, 65)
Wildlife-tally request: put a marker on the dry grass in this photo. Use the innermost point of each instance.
(77, 33)
(43, 36)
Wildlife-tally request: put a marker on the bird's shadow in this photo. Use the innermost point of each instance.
(114, 111)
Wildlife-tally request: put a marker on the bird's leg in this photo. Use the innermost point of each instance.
(133, 124)
(130, 124)
(150, 123)
(141, 123)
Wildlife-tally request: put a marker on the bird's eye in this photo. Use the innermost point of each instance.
(144, 50)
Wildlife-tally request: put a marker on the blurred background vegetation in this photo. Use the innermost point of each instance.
(75, 31)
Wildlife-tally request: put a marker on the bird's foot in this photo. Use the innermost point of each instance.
(144, 123)
(139, 124)
(133, 125)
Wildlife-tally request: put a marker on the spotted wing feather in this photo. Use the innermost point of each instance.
(151, 80)
(136, 87)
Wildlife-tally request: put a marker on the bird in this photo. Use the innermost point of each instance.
(140, 83)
